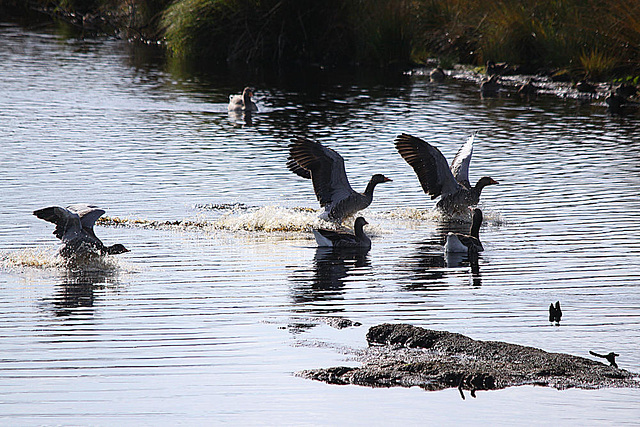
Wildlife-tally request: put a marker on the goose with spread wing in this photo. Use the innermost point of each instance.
(325, 168)
(466, 243)
(341, 239)
(74, 226)
(437, 178)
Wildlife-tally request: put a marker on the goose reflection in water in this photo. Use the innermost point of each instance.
(75, 295)
(331, 269)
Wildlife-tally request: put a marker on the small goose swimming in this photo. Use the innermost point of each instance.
(325, 168)
(463, 243)
(437, 75)
(437, 178)
(74, 226)
(243, 102)
(340, 239)
(490, 86)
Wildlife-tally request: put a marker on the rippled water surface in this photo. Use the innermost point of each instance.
(215, 307)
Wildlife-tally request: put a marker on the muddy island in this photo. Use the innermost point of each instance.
(405, 355)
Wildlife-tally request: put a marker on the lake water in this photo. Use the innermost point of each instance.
(208, 323)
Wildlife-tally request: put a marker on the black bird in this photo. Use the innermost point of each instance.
(340, 239)
(555, 313)
(584, 86)
(527, 89)
(325, 168)
(611, 357)
(74, 226)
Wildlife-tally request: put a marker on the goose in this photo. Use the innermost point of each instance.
(325, 168)
(435, 176)
(583, 86)
(466, 243)
(437, 75)
(340, 239)
(243, 102)
(490, 86)
(74, 226)
(527, 89)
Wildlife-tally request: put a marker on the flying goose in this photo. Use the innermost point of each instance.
(74, 226)
(435, 176)
(339, 239)
(243, 102)
(466, 243)
(325, 168)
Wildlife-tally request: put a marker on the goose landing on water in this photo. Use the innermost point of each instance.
(463, 243)
(243, 102)
(437, 178)
(325, 168)
(338, 239)
(74, 226)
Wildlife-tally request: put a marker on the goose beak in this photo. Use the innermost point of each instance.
(493, 181)
(387, 179)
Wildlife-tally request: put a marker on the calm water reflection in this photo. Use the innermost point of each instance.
(194, 324)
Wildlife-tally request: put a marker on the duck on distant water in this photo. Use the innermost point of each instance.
(437, 178)
(466, 243)
(243, 102)
(74, 226)
(437, 75)
(325, 168)
(490, 86)
(527, 89)
(583, 86)
(340, 239)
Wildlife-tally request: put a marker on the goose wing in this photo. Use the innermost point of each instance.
(429, 165)
(323, 165)
(88, 215)
(460, 163)
(337, 236)
(68, 225)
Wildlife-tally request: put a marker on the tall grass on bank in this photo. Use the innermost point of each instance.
(278, 32)
(588, 38)
(593, 38)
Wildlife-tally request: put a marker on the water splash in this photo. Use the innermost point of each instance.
(47, 258)
(264, 219)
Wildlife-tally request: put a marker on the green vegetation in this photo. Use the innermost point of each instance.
(597, 39)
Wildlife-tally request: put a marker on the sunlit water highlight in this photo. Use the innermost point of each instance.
(212, 311)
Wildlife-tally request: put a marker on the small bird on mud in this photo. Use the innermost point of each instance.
(74, 226)
(555, 313)
(611, 357)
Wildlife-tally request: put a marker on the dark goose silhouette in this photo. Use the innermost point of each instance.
(437, 178)
(341, 239)
(243, 102)
(325, 168)
(74, 226)
(466, 243)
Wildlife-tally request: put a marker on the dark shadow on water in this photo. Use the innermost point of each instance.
(76, 293)
(428, 266)
(325, 280)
